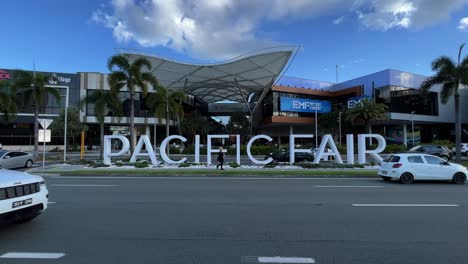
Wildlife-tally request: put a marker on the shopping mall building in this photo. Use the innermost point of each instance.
(254, 84)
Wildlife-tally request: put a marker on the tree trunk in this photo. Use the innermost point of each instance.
(132, 121)
(36, 131)
(167, 127)
(101, 139)
(154, 133)
(457, 127)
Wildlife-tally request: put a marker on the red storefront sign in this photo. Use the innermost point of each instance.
(4, 75)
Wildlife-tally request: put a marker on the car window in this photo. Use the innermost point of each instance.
(434, 160)
(415, 159)
(19, 154)
(394, 159)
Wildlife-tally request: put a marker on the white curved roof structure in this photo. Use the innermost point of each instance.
(232, 80)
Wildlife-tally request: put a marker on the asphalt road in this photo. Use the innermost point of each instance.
(231, 220)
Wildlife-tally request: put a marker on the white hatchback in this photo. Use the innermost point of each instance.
(22, 196)
(408, 167)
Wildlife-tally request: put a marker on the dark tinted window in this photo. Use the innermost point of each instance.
(433, 160)
(415, 159)
(394, 159)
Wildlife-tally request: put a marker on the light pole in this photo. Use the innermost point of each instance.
(65, 125)
(339, 124)
(412, 125)
(316, 128)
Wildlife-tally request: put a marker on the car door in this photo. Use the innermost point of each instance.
(418, 168)
(20, 159)
(436, 169)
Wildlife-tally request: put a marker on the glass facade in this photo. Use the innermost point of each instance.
(406, 100)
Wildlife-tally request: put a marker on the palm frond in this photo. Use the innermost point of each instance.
(443, 64)
(118, 61)
(138, 64)
(448, 90)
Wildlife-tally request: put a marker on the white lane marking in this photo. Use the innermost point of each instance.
(349, 186)
(32, 255)
(83, 185)
(51, 202)
(285, 260)
(203, 178)
(406, 205)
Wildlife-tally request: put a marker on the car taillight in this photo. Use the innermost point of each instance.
(398, 165)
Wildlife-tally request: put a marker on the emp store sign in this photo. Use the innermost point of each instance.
(327, 141)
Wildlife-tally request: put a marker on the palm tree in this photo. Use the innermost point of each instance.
(103, 102)
(34, 87)
(156, 103)
(130, 74)
(451, 76)
(366, 112)
(174, 107)
(8, 102)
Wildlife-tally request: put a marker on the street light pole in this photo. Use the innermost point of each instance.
(65, 126)
(412, 125)
(316, 129)
(339, 124)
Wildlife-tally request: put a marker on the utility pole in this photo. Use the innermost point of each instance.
(339, 124)
(412, 125)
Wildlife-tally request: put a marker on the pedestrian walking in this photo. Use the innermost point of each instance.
(220, 158)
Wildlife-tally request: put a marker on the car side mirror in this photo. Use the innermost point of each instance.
(445, 163)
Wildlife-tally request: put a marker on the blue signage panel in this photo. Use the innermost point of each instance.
(289, 104)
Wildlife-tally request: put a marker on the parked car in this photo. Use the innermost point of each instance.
(436, 150)
(1, 146)
(284, 156)
(15, 159)
(22, 196)
(464, 149)
(408, 167)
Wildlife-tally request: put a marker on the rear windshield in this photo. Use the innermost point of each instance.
(393, 159)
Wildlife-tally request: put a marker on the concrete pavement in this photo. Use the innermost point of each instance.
(233, 220)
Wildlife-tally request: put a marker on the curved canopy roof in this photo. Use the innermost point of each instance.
(232, 80)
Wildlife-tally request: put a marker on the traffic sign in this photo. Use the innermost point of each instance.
(44, 135)
(45, 123)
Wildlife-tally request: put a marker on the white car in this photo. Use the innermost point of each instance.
(408, 167)
(22, 196)
(464, 149)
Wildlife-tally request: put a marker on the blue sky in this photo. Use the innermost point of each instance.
(363, 36)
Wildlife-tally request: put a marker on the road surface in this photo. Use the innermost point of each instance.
(234, 220)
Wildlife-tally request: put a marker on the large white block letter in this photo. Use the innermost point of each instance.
(144, 140)
(362, 151)
(249, 153)
(327, 139)
(164, 146)
(107, 153)
(293, 150)
(350, 149)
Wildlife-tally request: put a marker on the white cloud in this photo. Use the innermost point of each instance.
(338, 20)
(463, 25)
(221, 29)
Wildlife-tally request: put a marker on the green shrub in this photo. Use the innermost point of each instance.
(263, 150)
(307, 165)
(444, 142)
(99, 165)
(119, 164)
(270, 165)
(191, 150)
(184, 165)
(174, 150)
(395, 148)
(142, 164)
(234, 165)
(342, 149)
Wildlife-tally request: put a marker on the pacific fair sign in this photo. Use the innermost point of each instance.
(327, 141)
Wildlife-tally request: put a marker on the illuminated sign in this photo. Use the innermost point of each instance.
(289, 104)
(4, 75)
(354, 101)
(55, 79)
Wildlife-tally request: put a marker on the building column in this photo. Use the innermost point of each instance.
(405, 135)
(291, 130)
(279, 139)
(148, 131)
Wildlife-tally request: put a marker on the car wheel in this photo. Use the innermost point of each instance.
(28, 164)
(406, 178)
(385, 178)
(459, 178)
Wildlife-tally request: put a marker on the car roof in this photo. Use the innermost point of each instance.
(410, 153)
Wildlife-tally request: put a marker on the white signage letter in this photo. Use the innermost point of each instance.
(238, 149)
(320, 153)
(292, 150)
(350, 149)
(209, 150)
(163, 149)
(107, 153)
(374, 153)
(144, 140)
(249, 153)
(197, 148)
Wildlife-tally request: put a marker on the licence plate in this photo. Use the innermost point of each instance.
(22, 203)
(383, 172)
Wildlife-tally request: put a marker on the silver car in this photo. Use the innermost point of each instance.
(15, 159)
